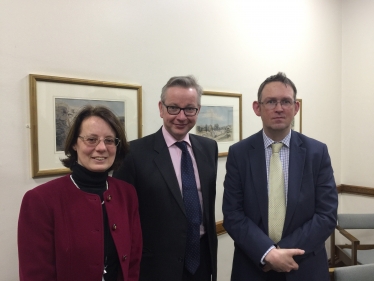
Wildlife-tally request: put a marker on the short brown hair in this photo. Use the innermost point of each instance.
(279, 77)
(109, 117)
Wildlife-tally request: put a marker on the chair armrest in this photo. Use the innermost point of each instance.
(347, 235)
(355, 242)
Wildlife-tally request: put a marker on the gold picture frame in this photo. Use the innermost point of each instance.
(53, 103)
(297, 123)
(220, 118)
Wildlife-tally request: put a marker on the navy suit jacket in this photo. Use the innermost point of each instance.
(149, 168)
(311, 207)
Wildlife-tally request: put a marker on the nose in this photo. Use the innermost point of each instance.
(101, 145)
(278, 106)
(181, 115)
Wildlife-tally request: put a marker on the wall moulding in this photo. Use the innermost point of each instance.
(354, 189)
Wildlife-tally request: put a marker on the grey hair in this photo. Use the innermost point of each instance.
(184, 82)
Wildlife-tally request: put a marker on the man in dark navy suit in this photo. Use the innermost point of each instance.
(308, 195)
(153, 166)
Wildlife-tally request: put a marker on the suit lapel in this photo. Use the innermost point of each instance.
(257, 161)
(166, 168)
(295, 175)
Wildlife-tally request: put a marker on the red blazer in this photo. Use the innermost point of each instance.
(61, 235)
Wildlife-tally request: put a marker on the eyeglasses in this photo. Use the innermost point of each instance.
(94, 141)
(271, 104)
(174, 110)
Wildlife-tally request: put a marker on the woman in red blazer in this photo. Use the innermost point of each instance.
(83, 226)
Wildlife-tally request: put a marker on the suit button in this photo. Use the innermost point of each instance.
(109, 197)
(124, 257)
(114, 226)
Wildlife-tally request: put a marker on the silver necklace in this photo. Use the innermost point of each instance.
(102, 203)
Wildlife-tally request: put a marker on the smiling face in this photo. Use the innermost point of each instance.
(179, 125)
(276, 122)
(95, 158)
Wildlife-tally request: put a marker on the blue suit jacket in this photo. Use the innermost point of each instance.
(311, 207)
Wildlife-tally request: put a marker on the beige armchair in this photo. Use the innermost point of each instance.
(353, 253)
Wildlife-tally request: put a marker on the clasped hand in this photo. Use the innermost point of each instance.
(281, 260)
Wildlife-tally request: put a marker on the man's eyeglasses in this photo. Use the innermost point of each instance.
(174, 110)
(94, 141)
(271, 104)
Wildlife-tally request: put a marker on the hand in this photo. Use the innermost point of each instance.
(281, 260)
(266, 268)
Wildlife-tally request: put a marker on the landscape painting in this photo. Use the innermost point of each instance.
(215, 122)
(66, 109)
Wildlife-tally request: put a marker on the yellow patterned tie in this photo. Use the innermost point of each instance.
(277, 198)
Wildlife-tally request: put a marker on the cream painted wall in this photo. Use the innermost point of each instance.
(229, 45)
(357, 93)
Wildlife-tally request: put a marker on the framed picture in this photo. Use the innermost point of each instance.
(54, 102)
(297, 120)
(220, 118)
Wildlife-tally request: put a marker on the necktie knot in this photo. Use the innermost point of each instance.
(182, 145)
(276, 147)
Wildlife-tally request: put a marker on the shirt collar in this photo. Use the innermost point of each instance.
(268, 141)
(170, 140)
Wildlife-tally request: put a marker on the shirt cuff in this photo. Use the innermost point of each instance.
(267, 252)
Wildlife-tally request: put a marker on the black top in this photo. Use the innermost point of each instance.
(95, 182)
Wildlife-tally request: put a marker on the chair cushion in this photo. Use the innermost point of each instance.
(355, 272)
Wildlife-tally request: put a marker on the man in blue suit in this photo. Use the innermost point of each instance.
(309, 196)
